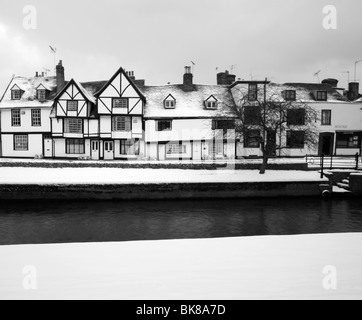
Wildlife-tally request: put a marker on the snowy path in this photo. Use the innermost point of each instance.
(138, 176)
(286, 267)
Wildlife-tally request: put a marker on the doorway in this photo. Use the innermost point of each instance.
(161, 152)
(48, 148)
(326, 143)
(95, 150)
(108, 150)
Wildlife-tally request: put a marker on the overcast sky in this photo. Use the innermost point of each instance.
(283, 40)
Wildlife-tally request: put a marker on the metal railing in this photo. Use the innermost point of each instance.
(334, 162)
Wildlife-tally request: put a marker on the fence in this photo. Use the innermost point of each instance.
(334, 162)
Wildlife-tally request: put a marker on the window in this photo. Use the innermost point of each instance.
(290, 95)
(296, 117)
(164, 125)
(16, 94)
(170, 104)
(176, 148)
(295, 139)
(322, 95)
(223, 124)
(348, 140)
(326, 117)
(130, 147)
(253, 92)
(21, 142)
(15, 118)
(41, 95)
(75, 146)
(73, 126)
(72, 105)
(252, 115)
(211, 105)
(120, 103)
(36, 118)
(120, 123)
(252, 139)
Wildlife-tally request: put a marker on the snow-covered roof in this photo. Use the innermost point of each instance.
(188, 104)
(305, 92)
(87, 94)
(29, 87)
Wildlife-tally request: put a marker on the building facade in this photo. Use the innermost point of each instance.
(123, 119)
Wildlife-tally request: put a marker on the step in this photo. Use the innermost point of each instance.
(343, 185)
(345, 181)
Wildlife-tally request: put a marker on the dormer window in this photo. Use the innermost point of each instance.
(211, 103)
(41, 94)
(290, 95)
(170, 102)
(322, 95)
(15, 94)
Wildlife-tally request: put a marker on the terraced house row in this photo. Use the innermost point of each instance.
(124, 119)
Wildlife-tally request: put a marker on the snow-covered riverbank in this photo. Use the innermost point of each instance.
(141, 176)
(285, 267)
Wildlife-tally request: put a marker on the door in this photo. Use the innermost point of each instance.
(272, 142)
(205, 151)
(48, 148)
(108, 150)
(161, 152)
(95, 150)
(196, 153)
(326, 142)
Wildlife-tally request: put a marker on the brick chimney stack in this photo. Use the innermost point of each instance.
(188, 80)
(353, 91)
(60, 76)
(225, 78)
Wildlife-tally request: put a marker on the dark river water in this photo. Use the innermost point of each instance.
(64, 222)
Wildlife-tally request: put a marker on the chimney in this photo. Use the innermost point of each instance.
(353, 91)
(225, 78)
(188, 80)
(332, 82)
(60, 76)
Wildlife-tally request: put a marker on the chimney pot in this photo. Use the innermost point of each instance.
(37, 74)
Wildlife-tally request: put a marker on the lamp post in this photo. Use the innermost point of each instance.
(355, 70)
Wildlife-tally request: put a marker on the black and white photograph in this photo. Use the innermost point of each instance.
(180, 154)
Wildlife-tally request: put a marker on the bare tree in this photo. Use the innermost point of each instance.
(274, 124)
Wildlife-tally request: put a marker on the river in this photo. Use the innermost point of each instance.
(65, 222)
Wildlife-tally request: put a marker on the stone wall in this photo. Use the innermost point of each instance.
(160, 191)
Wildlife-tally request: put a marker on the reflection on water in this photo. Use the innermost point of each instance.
(62, 222)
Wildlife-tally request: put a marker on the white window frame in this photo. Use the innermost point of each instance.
(16, 94)
(72, 105)
(21, 142)
(16, 118)
(41, 94)
(120, 103)
(73, 125)
(36, 117)
(122, 124)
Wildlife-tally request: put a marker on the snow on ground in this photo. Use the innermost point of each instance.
(281, 267)
(138, 176)
(243, 161)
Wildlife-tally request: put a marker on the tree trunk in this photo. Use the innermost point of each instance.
(264, 166)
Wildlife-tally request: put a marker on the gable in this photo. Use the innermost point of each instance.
(120, 87)
(72, 92)
(211, 99)
(16, 87)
